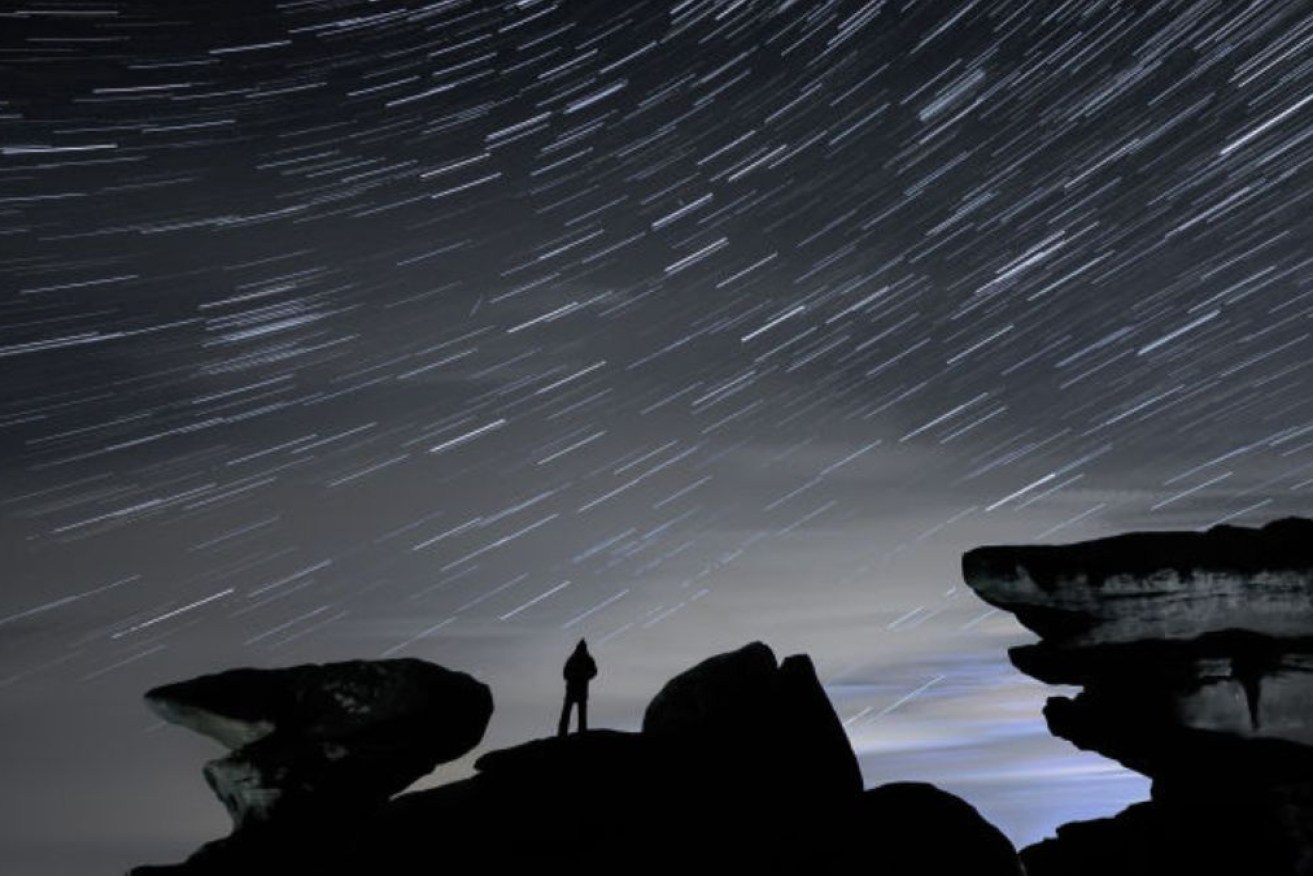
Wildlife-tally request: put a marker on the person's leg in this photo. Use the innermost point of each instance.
(583, 714)
(564, 726)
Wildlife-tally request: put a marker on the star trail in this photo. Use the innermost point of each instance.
(459, 330)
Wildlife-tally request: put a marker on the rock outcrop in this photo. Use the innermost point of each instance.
(1194, 652)
(742, 766)
(919, 829)
(1155, 585)
(323, 738)
(739, 710)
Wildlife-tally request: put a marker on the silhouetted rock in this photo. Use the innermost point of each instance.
(1150, 839)
(1168, 634)
(1155, 585)
(599, 801)
(740, 709)
(724, 695)
(742, 767)
(319, 745)
(1195, 655)
(916, 829)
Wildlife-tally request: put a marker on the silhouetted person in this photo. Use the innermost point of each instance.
(579, 670)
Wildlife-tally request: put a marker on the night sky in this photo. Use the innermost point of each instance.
(461, 330)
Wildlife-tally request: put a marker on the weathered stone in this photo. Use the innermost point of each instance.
(312, 738)
(743, 710)
(724, 695)
(1238, 683)
(1194, 652)
(1155, 585)
(742, 767)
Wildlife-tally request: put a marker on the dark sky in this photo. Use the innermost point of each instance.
(461, 330)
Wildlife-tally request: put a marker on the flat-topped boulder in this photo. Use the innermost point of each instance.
(1167, 632)
(1194, 654)
(1155, 585)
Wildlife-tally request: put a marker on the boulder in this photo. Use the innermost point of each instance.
(741, 710)
(914, 828)
(1148, 703)
(725, 695)
(1194, 654)
(1155, 585)
(315, 738)
(1170, 635)
(1150, 839)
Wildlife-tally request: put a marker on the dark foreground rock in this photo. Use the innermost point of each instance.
(329, 740)
(1157, 838)
(738, 711)
(742, 767)
(924, 830)
(1194, 652)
